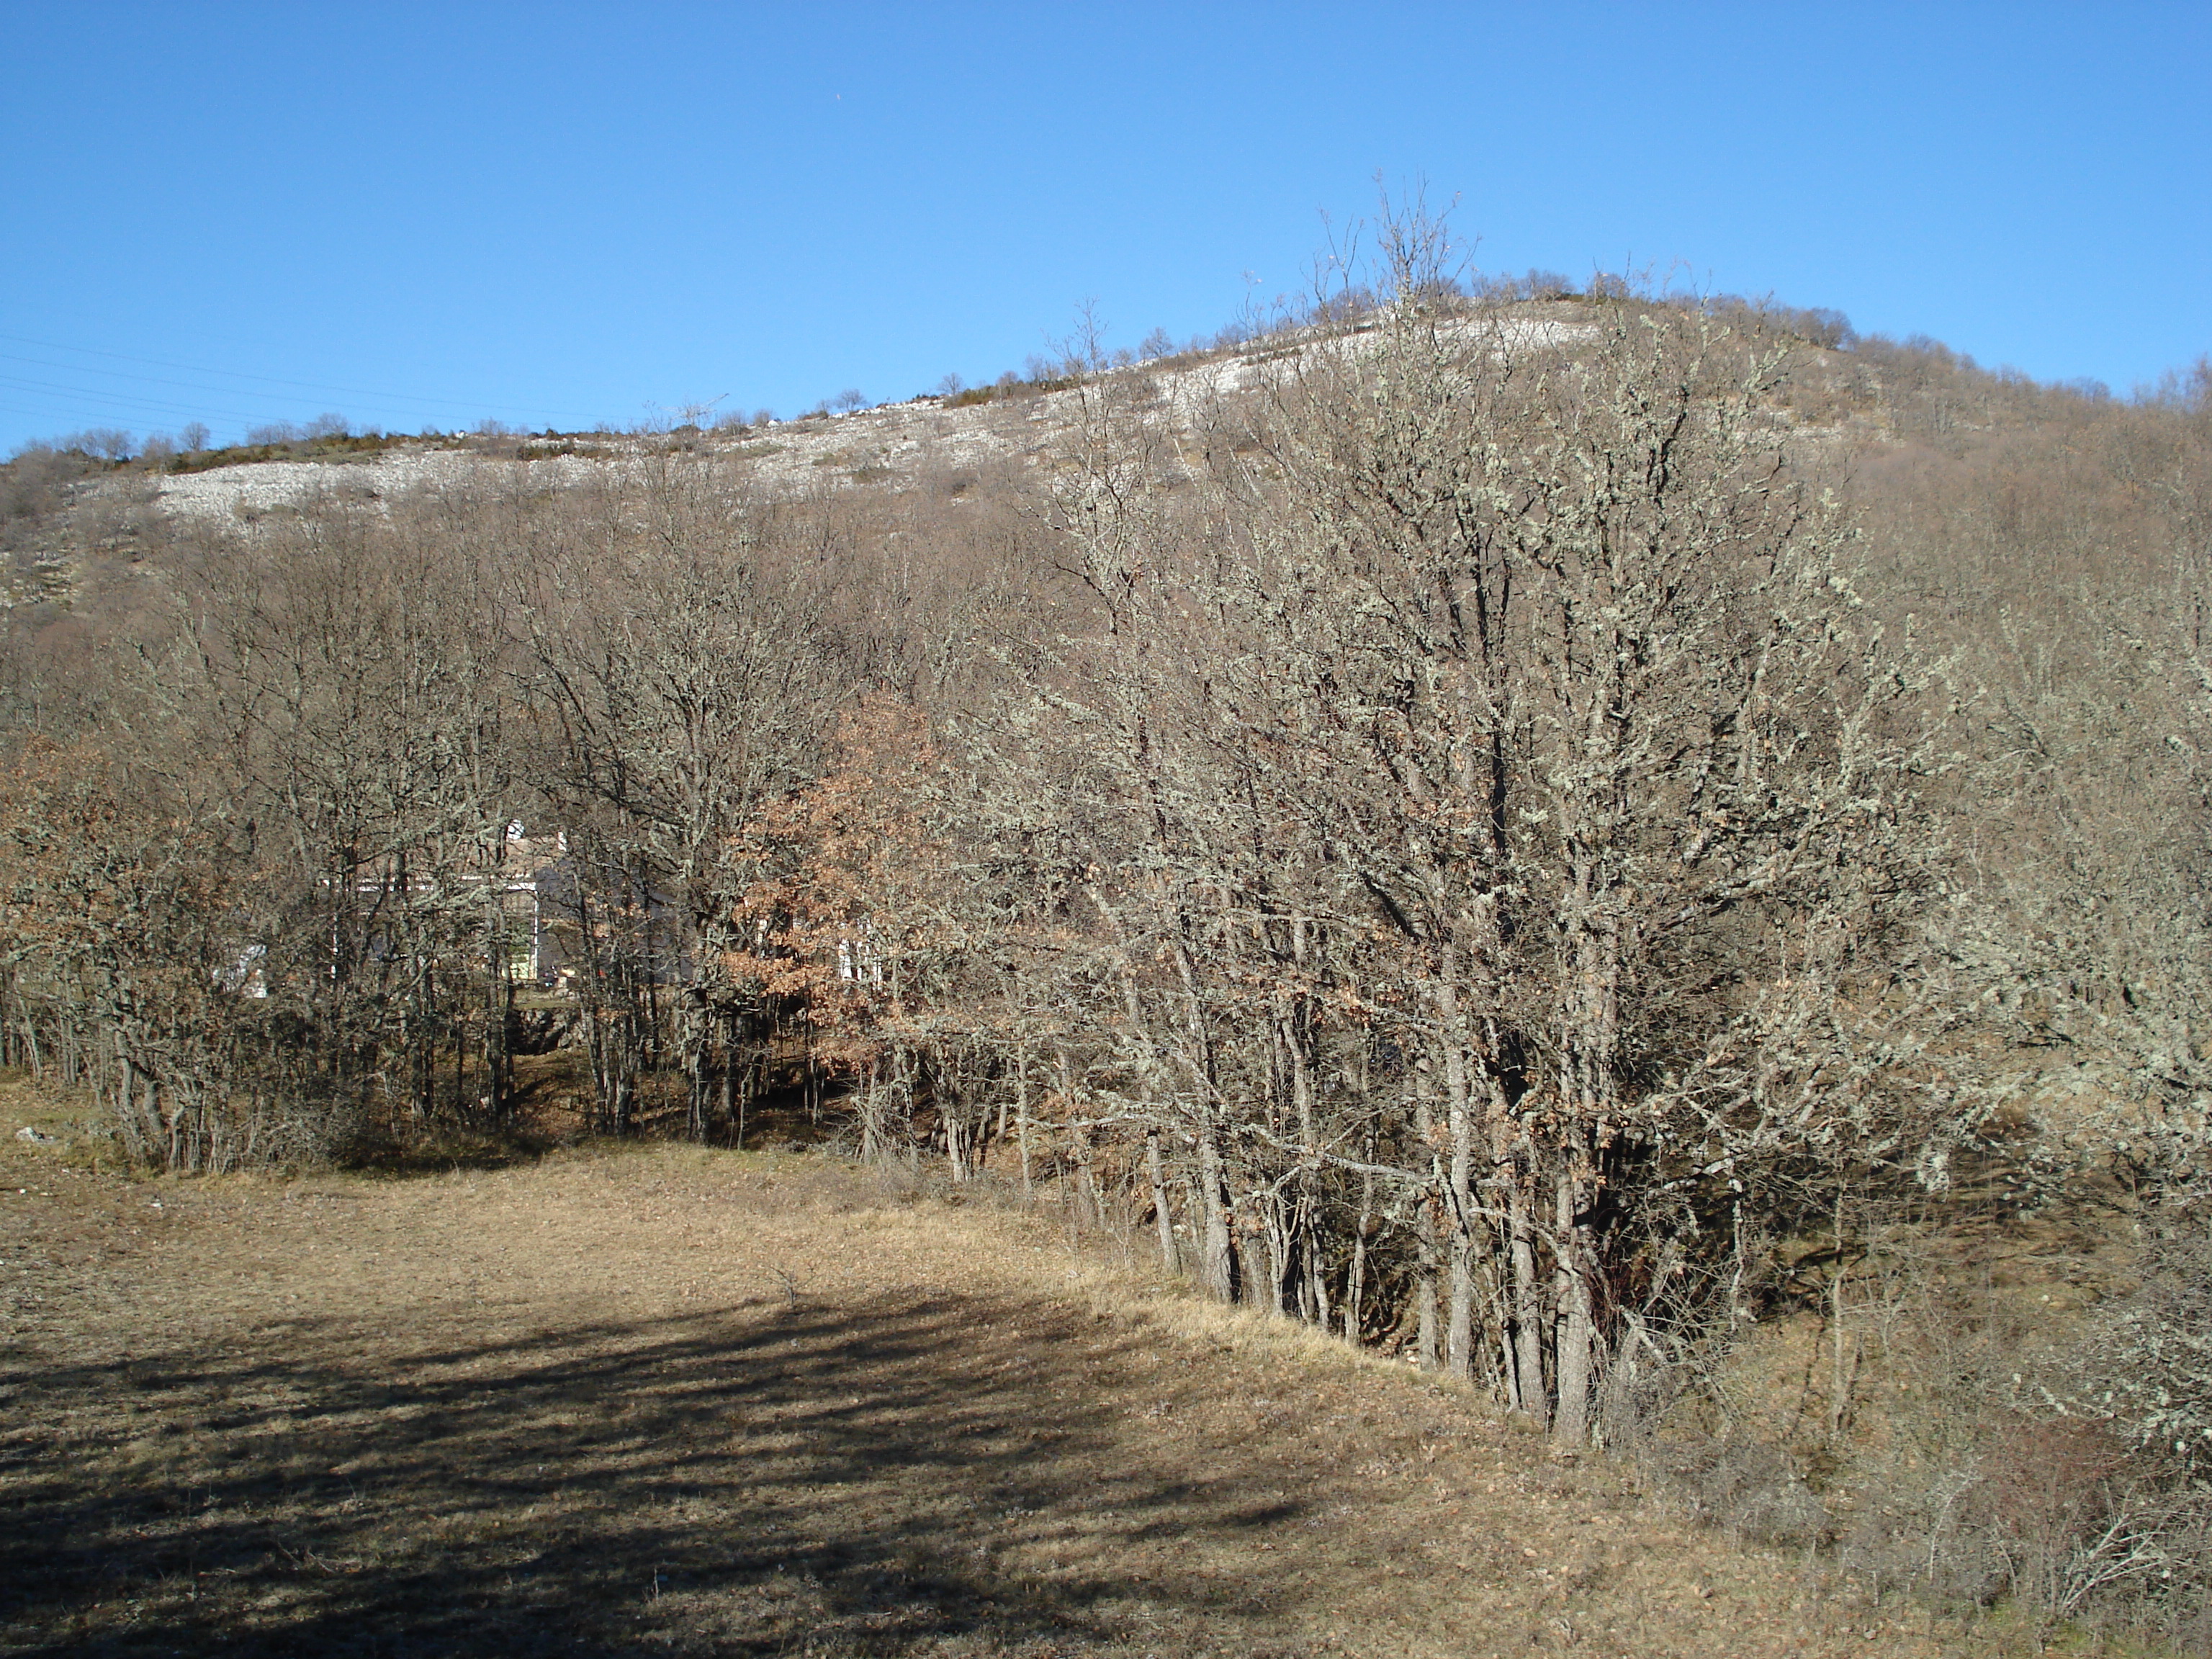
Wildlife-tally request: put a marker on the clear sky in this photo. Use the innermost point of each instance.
(564, 214)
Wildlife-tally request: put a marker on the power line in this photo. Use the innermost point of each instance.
(50, 414)
(150, 380)
(241, 374)
(150, 403)
(137, 409)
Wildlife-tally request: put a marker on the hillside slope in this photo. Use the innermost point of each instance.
(487, 1412)
(90, 510)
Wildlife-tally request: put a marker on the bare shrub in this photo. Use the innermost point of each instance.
(1533, 285)
(1749, 1485)
(31, 484)
(105, 443)
(2145, 1367)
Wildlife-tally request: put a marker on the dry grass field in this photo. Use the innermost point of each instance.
(661, 1400)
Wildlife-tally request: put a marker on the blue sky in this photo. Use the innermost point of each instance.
(562, 215)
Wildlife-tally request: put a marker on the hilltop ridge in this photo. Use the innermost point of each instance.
(952, 436)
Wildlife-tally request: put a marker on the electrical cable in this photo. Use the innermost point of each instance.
(242, 374)
(152, 404)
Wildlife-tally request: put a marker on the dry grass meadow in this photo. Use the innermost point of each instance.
(663, 1400)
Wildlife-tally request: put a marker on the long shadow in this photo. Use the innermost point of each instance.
(749, 1483)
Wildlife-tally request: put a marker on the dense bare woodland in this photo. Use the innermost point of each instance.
(1646, 856)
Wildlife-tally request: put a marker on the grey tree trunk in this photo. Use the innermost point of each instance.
(1575, 1358)
(1163, 1217)
(1459, 1341)
(1528, 1312)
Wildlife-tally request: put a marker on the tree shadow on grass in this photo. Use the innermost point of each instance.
(938, 1475)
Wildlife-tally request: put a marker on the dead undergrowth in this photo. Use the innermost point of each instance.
(762, 1404)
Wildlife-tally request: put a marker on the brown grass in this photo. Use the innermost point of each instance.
(763, 1404)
